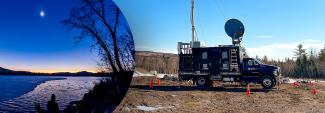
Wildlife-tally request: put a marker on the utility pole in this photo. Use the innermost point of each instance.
(192, 22)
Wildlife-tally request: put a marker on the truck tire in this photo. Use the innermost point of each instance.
(274, 82)
(203, 81)
(267, 82)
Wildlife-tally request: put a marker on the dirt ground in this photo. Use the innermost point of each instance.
(182, 97)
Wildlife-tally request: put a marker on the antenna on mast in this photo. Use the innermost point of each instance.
(192, 22)
(194, 43)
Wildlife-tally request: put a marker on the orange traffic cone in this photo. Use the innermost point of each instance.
(151, 84)
(158, 82)
(248, 91)
(296, 84)
(314, 91)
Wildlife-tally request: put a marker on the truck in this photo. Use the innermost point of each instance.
(227, 63)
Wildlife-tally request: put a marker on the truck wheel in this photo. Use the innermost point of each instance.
(202, 81)
(267, 82)
(274, 82)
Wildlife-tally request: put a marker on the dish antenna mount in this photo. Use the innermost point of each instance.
(235, 29)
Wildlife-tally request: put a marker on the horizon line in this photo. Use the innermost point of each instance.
(51, 71)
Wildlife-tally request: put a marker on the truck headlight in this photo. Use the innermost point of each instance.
(275, 72)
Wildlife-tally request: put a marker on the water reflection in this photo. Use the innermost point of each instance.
(66, 90)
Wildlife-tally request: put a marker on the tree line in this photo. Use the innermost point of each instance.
(304, 64)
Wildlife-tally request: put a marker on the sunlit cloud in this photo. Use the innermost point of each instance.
(284, 50)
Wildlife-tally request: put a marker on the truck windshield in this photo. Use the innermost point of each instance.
(257, 62)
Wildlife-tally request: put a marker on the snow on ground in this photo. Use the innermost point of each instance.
(138, 74)
(147, 108)
(292, 80)
(289, 80)
(159, 75)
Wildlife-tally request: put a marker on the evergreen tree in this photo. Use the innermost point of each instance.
(299, 51)
(301, 61)
(312, 55)
(312, 66)
(265, 59)
(321, 55)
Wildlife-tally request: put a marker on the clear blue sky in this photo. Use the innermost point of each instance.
(273, 28)
(32, 41)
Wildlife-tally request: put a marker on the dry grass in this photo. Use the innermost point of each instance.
(181, 97)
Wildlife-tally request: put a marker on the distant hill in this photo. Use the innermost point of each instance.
(157, 61)
(81, 73)
(4, 71)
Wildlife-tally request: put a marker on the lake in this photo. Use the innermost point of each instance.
(20, 93)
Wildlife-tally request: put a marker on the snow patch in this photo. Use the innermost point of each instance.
(158, 75)
(291, 80)
(161, 75)
(126, 109)
(147, 108)
(138, 74)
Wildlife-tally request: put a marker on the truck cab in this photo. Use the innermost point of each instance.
(254, 70)
(255, 67)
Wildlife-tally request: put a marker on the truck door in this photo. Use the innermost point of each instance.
(250, 67)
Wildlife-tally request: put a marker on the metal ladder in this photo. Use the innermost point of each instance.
(233, 60)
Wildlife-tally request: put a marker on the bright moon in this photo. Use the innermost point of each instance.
(42, 13)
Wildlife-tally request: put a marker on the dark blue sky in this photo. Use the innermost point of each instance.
(29, 41)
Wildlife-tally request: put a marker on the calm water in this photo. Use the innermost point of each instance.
(20, 93)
